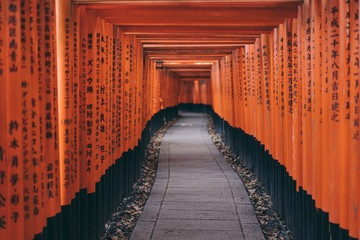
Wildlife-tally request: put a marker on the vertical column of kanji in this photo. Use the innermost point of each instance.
(241, 67)
(75, 164)
(130, 48)
(40, 98)
(281, 95)
(112, 96)
(218, 75)
(344, 100)
(354, 121)
(146, 87)
(255, 90)
(151, 86)
(55, 121)
(26, 115)
(316, 136)
(237, 88)
(106, 79)
(288, 95)
(43, 91)
(146, 103)
(252, 91)
(246, 70)
(307, 86)
(212, 83)
(224, 81)
(218, 90)
(119, 92)
(231, 90)
(265, 55)
(259, 92)
(126, 74)
(134, 83)
(355, 99)
(108, 89)
(271, 90)
(333, 107)
(91, 151)
(13, 130)
(140, 93)
(139, 80)
(296, 115)
(98, 99)
(325, 99)
(82, 25)
(158, 79)
(274, 92)
(4, 147)
(64, 58)
(226, 97)
(101, 76)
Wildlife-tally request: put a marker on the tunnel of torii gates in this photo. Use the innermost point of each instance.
(84, 84)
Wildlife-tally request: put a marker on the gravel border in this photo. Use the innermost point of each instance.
(272, 225)
(123, 221)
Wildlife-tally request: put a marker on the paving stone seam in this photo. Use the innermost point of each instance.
(215, 159)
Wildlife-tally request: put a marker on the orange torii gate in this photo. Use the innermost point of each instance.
(80, 96)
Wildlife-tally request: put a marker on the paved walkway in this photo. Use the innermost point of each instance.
(196, 194)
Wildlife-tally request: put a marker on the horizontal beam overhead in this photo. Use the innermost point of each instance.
(190, 35)
(172, 15)
(197, 31)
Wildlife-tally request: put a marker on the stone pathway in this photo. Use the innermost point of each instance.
(196, 194)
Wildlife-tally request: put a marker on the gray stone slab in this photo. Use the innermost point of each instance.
(253, 232)
(198, 184)
(197, 235)
(199, 180)
(209, 206)
(150, 212)
(199, 191)
(222, 225)
(198, 198)
(198, 215)
(247, 214)
(142, 231)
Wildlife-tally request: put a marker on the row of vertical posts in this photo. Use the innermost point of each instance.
(196, 92)
(78, 102)
(295, 92)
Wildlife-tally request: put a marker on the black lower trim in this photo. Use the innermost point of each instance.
(85, 217)
(297, 208)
